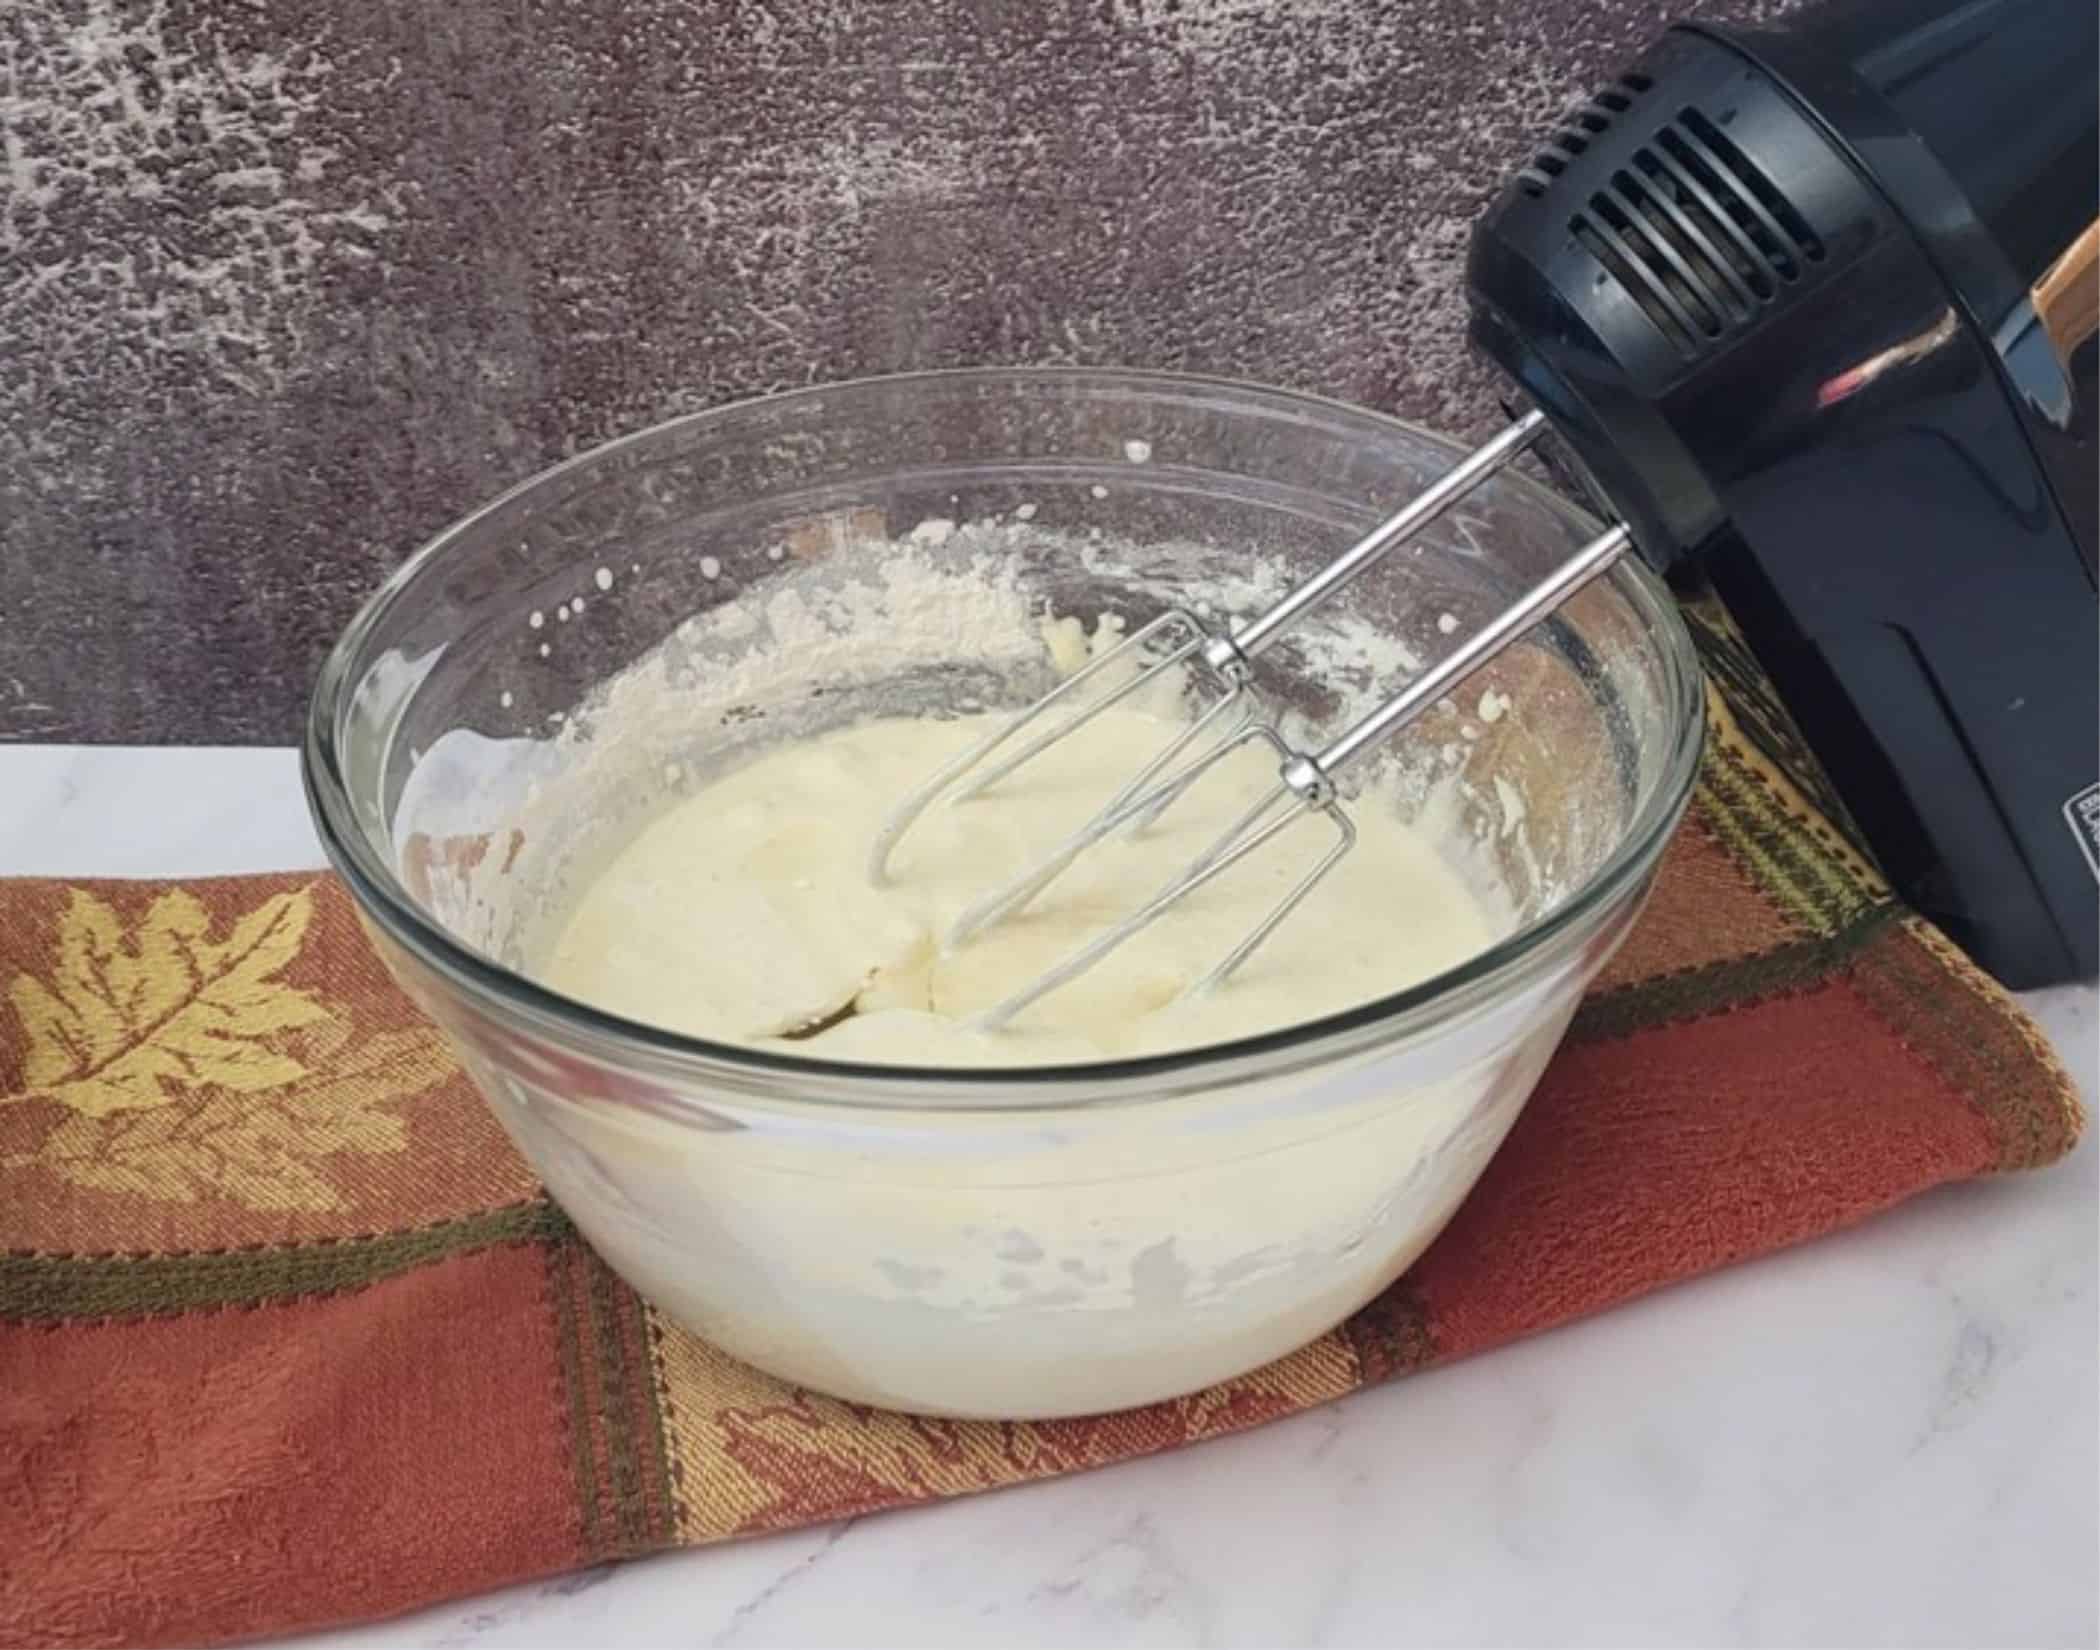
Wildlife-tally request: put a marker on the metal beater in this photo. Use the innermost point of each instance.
(1305, 780)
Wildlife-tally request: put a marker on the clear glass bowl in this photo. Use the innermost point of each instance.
(1011, 1242)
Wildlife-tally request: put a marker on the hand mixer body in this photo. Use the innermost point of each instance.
(1811, 310)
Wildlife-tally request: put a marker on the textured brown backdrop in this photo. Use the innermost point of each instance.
(287, 284)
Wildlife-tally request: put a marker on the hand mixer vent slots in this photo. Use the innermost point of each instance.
(1572, 137)
(1689, 228)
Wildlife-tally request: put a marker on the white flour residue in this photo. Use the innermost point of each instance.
(1512, 801)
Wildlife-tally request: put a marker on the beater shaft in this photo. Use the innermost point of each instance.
(1490, 639)
(1453, 485)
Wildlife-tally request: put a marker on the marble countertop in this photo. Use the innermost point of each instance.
(1888, 1437)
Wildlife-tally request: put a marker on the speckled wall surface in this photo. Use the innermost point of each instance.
(285, 285)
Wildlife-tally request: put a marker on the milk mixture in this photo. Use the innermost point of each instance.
(747, 912)
(979, 1261)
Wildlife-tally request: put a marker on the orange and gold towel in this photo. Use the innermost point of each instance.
(271, 1270)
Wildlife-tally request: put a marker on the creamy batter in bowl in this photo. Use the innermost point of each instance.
(1075, 1233)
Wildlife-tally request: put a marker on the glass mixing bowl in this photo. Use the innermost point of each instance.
(1004, 1242)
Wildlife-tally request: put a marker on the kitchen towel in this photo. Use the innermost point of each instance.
(290, 1336)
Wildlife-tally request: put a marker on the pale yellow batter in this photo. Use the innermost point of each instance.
(745, 913)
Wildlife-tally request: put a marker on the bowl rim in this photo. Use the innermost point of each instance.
(870, 1087)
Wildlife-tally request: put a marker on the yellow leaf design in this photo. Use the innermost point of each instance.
(126, 1022)
(267, 1152)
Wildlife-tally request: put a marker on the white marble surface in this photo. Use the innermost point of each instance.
(1889, 1437)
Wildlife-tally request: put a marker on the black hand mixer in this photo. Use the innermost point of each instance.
(1810, 313)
